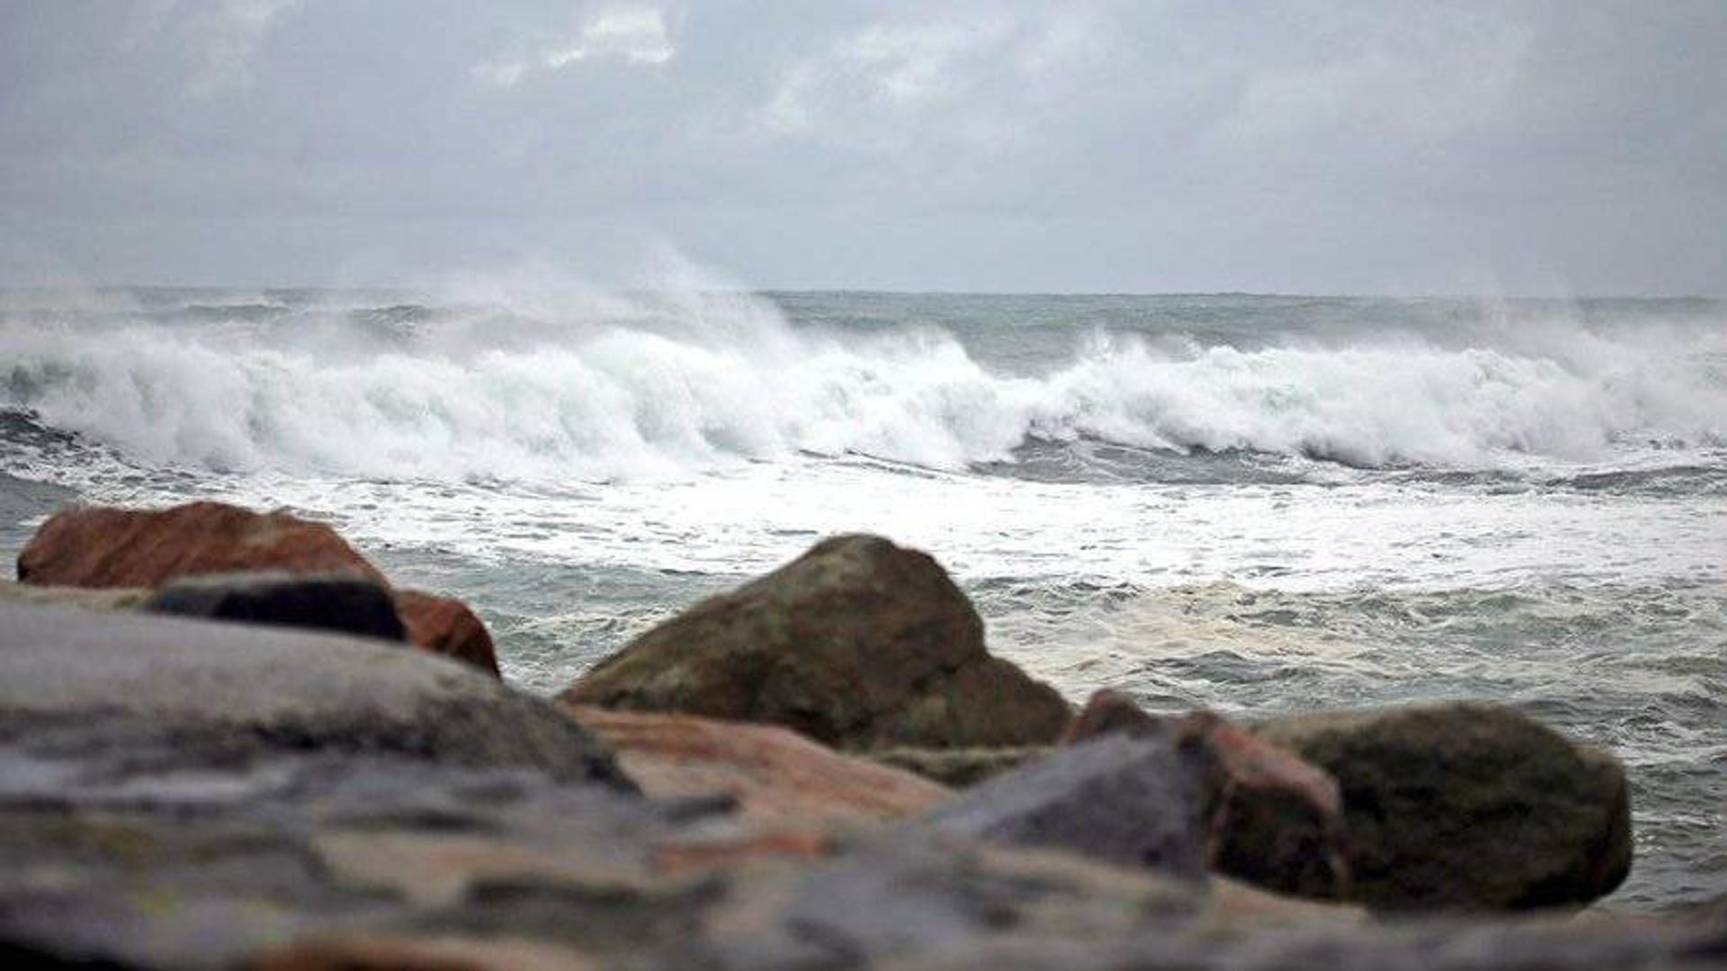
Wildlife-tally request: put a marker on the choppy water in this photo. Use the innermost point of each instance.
(1255, 504)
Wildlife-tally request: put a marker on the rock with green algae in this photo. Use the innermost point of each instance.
(1468, 806)
(858, 644)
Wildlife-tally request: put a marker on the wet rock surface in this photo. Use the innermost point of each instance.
(857, 644)
(1469, 806)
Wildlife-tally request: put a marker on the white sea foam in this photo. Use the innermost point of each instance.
(607, 388)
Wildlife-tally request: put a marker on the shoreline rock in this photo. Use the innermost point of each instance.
(1276, 821)
(238, 688)
(106, 547)
(1468, 806)
(858, 644)
(177, 794)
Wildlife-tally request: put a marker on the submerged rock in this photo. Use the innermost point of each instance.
(1469, 806)
(107, 547)
(858, 644)
(1277, 820)
(342, 602)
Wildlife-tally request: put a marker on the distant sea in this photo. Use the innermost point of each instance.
(1255, 504)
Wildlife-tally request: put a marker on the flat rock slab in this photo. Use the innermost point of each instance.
(225, 684)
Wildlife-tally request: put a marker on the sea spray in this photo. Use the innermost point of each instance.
(621, 386)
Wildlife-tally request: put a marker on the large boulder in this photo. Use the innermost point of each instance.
(107, 547)
(1469, 806)
(772, 773)
(1279, 820)
(858, 644)
(231, 690)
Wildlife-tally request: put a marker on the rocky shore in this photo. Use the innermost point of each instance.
(228, 741)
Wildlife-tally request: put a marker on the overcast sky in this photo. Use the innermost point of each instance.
(1566, 147)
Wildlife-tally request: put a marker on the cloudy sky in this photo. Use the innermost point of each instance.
(1493, 147)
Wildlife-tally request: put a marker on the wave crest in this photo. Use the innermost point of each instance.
(707, 384)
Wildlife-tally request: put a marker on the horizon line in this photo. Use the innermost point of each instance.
(888, 291)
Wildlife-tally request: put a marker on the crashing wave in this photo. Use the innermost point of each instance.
(698, 386)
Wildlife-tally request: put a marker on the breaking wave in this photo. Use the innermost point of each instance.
(633, 390)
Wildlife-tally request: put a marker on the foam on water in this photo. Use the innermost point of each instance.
(601, 390)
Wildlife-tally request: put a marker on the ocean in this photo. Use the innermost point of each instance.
(1255, 504)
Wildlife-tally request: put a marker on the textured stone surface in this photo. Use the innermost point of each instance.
(1128, 801)
(447, 627)
(771, 772)
(242, 808)
(103, 546)
(1279, 820)
(341, 602)
(1469, 806)
(857, 644)
(232, 684)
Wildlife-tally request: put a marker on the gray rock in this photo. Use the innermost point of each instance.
(341, 602)
(237, 685)
(1143, 802)
(1469, 806)
(1279, 822)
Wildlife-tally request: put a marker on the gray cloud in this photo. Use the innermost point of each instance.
(1565, 147)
